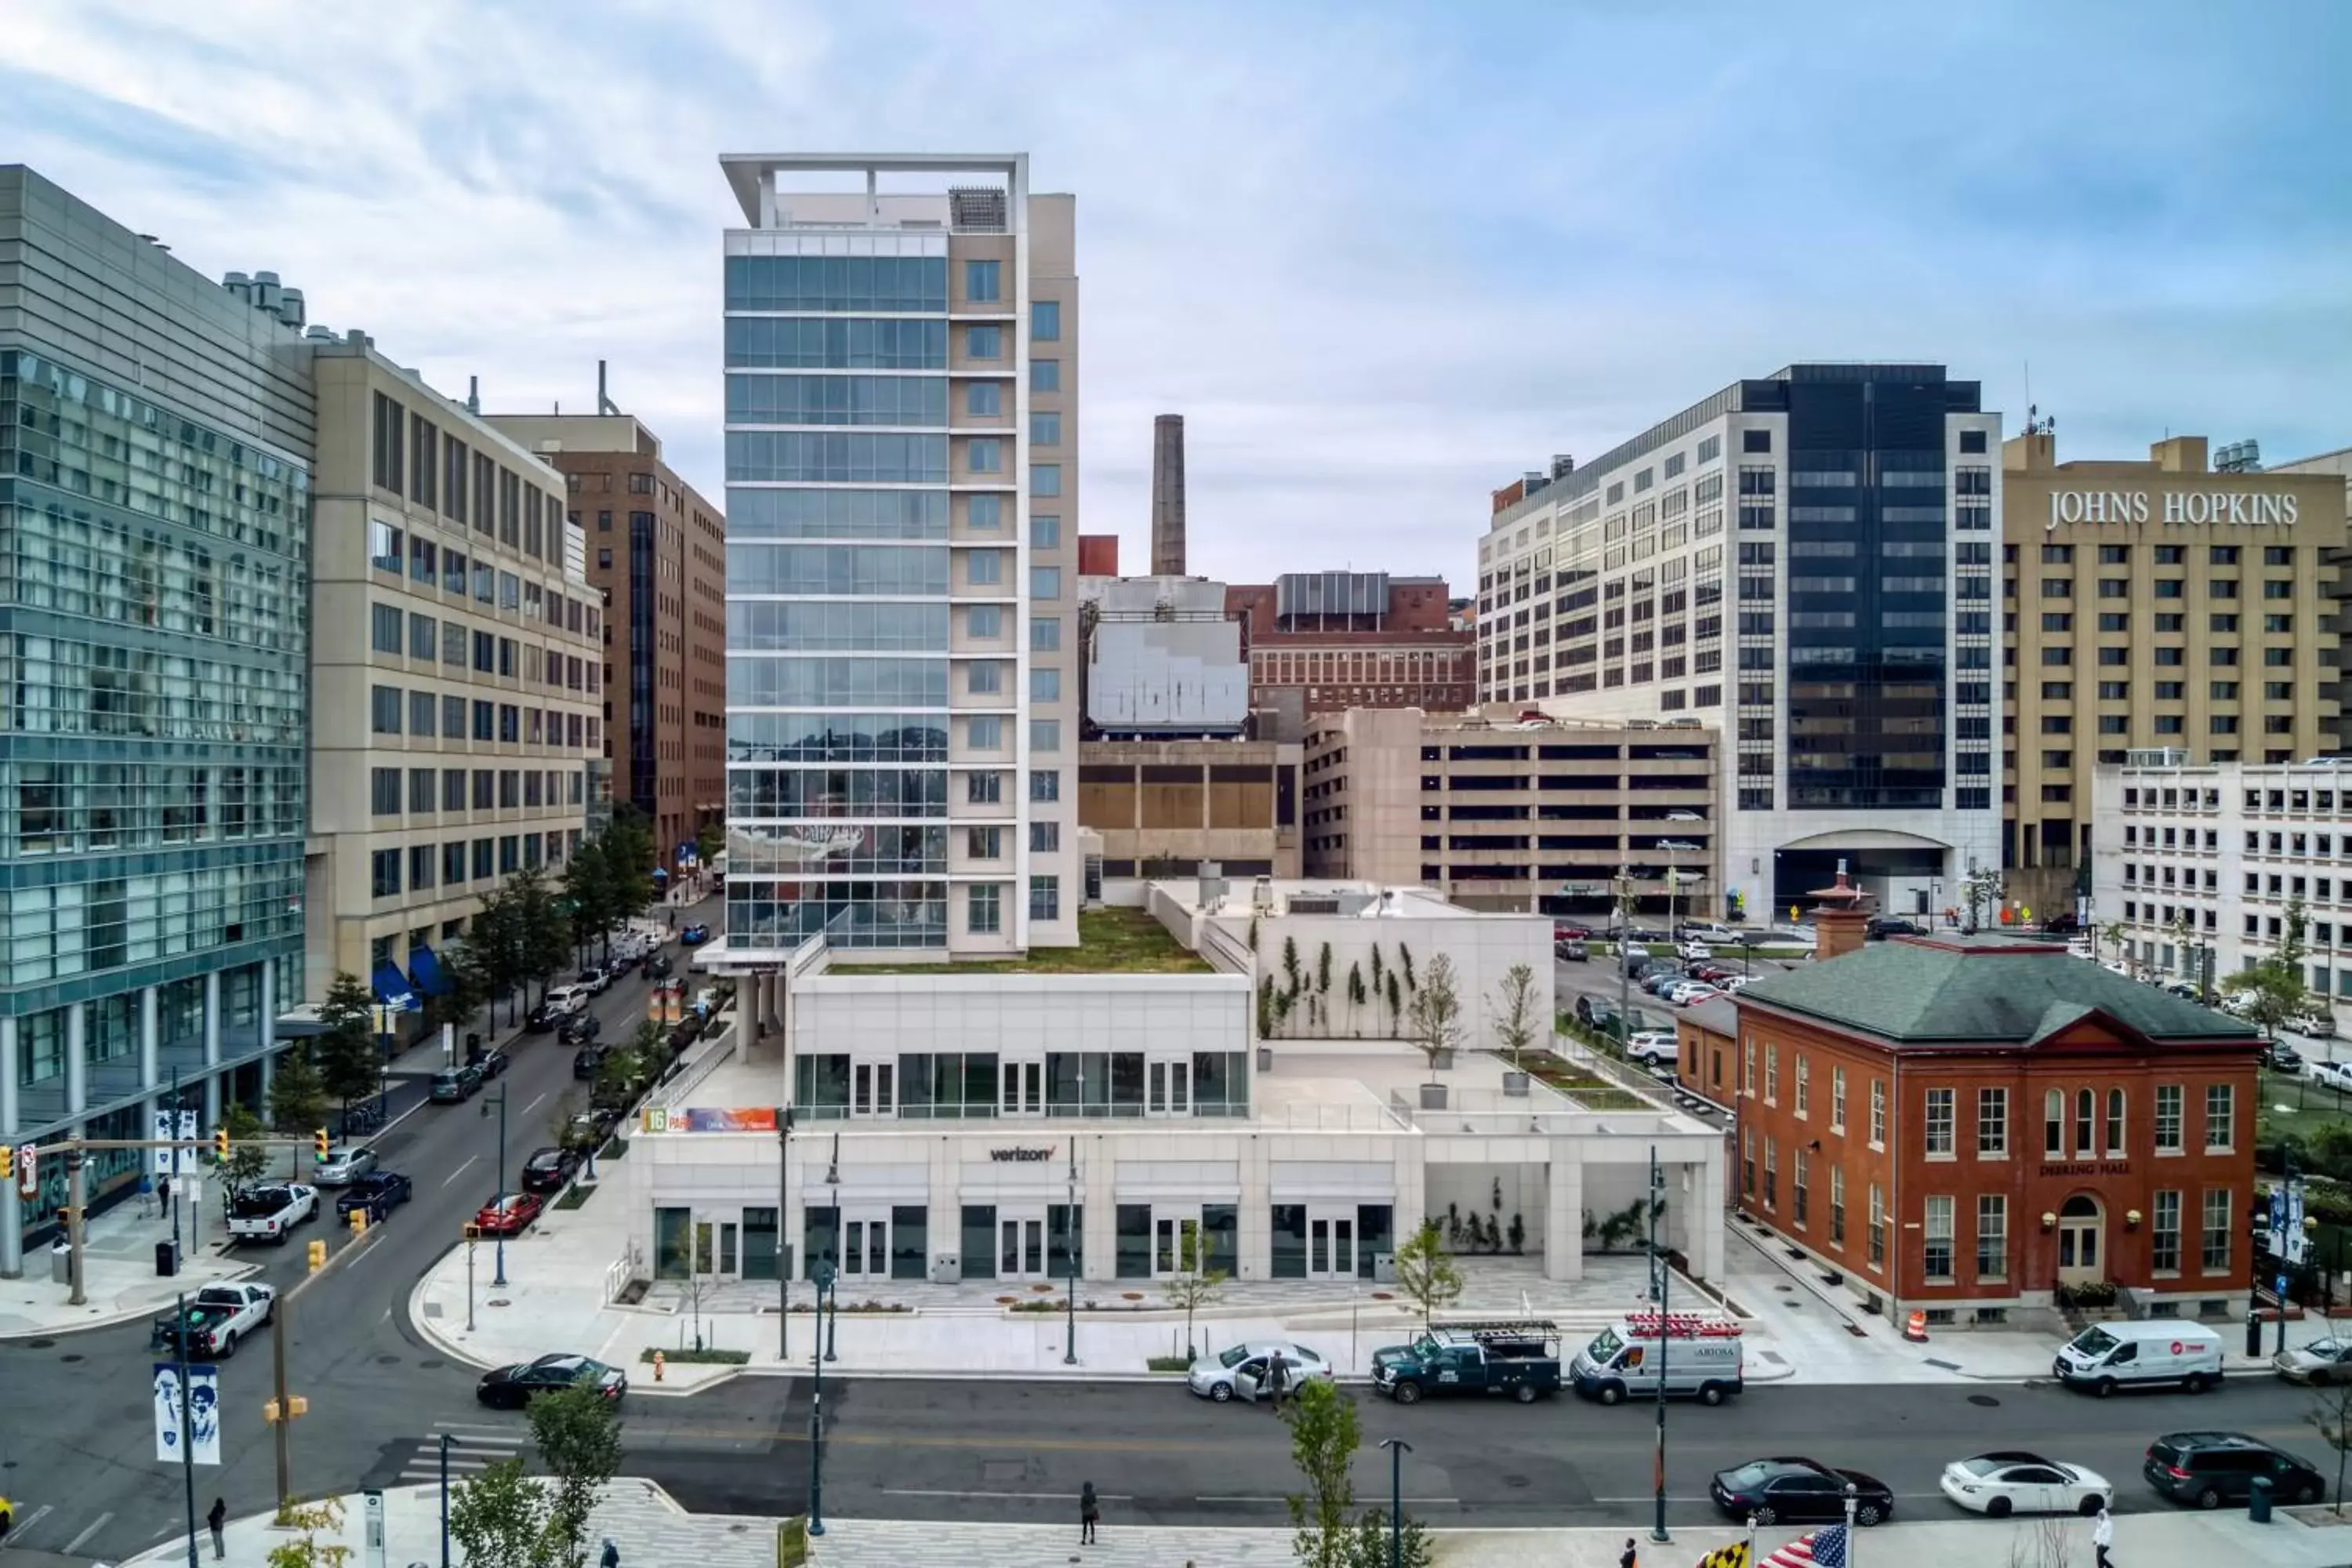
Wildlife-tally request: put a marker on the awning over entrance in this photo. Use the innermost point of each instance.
(391, 987)
(426, 967)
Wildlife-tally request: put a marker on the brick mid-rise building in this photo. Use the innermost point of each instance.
(658, 551)
(1961, 1124)
(1329, 641)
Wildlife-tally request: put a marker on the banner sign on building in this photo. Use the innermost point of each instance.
(160, 1162)
(194, 1422)
(187, 1150)
(706, 1119)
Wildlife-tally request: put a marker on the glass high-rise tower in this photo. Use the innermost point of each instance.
(901, 366)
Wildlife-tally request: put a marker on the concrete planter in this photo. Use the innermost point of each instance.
(1514, 1085)
(1432, 1097)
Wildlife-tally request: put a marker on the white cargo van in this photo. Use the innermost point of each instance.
(1700, 1356)
(2108, 1356)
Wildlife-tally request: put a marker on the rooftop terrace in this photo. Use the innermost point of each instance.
(1111, 942)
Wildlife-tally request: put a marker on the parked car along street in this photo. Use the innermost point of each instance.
(509, 1216)
(455, 1086)
(1791, 1490)
(2320, 1361)
(1241, 1371)
(2005, 1483)
(512, 1387)
(548, 1169)
(2207, 1470)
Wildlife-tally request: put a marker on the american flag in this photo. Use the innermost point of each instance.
(1824, 1548)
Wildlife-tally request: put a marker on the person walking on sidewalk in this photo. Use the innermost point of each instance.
(1089, 1514)
(218, 1520)
(2103, 1535)
(1629, 1558)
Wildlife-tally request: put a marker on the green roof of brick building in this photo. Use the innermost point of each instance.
(1989, 989)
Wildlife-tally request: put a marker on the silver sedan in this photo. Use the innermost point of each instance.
(1241, 1372)
(344, 1164)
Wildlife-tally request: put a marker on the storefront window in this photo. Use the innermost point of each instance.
(1290, 1241)
(1375, 1232)
(1077, 1083)
(979, 1241)
(673, 1244)
(820, 1086)
(1126, 1083)
(910, 1248)
(1066, 1244)
(945, 1085)
(820, 1239)
(1221, 1238)
(759, 1243)
(1220, 1083)
(1133, 1260)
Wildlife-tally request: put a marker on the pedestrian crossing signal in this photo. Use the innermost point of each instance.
(1732, 1556)
(220, 1144)
(319, 1144)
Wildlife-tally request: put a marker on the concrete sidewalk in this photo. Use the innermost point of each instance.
(651, 1530)
(119, 1268)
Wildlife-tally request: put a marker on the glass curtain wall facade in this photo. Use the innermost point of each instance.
(895, 698)
(154, 641)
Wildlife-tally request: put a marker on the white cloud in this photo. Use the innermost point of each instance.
(1383, 261)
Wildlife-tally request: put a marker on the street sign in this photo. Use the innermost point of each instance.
(194, 1421)
(28, 1178)
(371, 1516)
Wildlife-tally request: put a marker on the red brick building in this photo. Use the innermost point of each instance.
(1960, 1124)
(1353, 639)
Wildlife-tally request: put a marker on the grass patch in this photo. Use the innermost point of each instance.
(1166, 1364)
(1588, 1088)
(2311, 1109)
(575, 1196)
(704, 1357)
(1125, 941)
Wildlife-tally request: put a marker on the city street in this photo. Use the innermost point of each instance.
(77, 1455)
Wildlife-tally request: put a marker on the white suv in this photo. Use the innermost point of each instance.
(1653, 1046)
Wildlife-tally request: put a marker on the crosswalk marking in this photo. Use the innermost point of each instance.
(472, 1450)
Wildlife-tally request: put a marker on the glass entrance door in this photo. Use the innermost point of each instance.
(1176, 1246)
(1330, 1246)
(1170, 1089)
(1021, 1248)
(865, 1249)
(1025, 1088)
(871, 1091)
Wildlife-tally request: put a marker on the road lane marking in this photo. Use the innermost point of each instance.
(459, 1170)
(94, 1526)
(534, 1105)
(31, 1519)
(1448, 1501)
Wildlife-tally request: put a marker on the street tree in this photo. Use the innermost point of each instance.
(350, 1063)
(500, 1516)
(2332, 1414)
(2117, 935)
(1517, 1009)
(496, 939)
(710, 839)
(1369, 1547)
(466, 989)
(1194, 1284)
(541, 934)
(2271, 994)
(578, 1435)
(1425, 1271)
(309, 1551)
(247, 1160)
(587, 889)
(1434, 1015)
(298, 1095)
(1324, 1435)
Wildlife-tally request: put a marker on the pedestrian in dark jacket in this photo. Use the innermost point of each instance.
(1089, 1514)
(1275, 1377)
(1629, 1557)
(218, 1520)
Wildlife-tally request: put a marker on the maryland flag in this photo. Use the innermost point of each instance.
(1732, 1556)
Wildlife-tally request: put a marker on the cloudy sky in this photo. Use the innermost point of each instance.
(1381, 256)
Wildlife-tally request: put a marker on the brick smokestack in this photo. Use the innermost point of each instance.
(1168, 496)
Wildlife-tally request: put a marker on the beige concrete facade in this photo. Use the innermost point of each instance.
(1162, 807)
(1497, 813)
(2155, 604)
(456, 654)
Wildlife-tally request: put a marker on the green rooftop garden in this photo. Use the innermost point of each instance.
(1111, 942)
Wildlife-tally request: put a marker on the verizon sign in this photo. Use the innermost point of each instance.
(2193, 509)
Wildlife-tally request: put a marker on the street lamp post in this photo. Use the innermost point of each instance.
(783, 1254)
(498, 1202)
(445, 1500)
(1070, 1250)
(1398, 1449)
(1625, 953)
(1658, 1275)
(825, 1274)
(832, 1268)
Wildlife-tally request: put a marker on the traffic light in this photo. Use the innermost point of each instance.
(7, 1162)
(358, 1219)
(220, 1144)
(319, 1144)
(318, 1256)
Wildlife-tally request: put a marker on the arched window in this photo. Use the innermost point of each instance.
(2086, 1105)
(2114, 1123)
(2053, 1124)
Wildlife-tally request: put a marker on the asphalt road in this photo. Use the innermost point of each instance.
(77, 1433)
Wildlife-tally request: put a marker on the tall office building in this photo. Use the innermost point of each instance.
(901, 352)
(1851, 513)
(455, 672)
(657, 551)
(154, 579)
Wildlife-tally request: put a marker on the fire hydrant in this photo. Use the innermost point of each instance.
(657, 1366)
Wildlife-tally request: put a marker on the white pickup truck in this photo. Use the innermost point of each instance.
(272, 1213)
(218, 1317)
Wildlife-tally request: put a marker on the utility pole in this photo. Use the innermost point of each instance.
(784, 1252)
(187, 1422)
(1658, 1272)
(283, 1409)
(1398, 1449)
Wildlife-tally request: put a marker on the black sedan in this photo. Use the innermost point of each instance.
(586, 1060)
(512, 1387)
(548, 1169)
(580, 1029)
(1793, 1491)
(542, 1020)
(694, 935)
(378, 1192)
(490, 1063)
